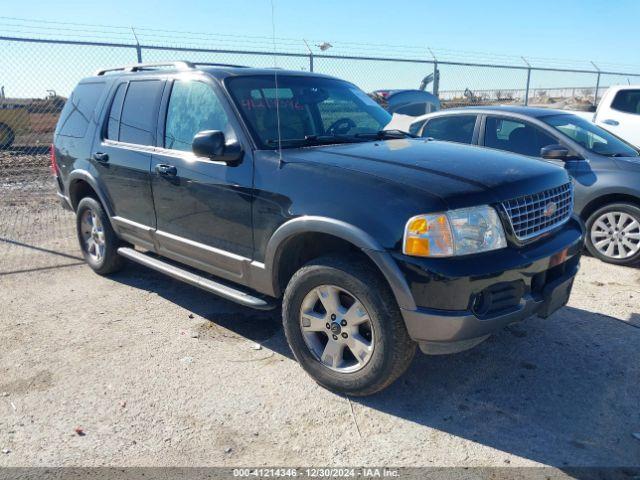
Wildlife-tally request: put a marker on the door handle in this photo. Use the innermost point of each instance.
(167, 170)
(608, 121)
(101, 157)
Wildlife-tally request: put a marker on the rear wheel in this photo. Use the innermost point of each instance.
(613, 234)
(98, 241)
(344, 327)
(7, 136)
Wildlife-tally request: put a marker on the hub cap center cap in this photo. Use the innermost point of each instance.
(336, 328)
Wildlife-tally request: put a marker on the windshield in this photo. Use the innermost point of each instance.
(313, 110)
(590, 136)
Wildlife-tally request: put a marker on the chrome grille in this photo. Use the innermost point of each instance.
(533, 215)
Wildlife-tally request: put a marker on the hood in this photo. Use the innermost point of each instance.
(460, 175)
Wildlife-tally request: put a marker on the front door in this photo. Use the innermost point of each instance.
(203, 207)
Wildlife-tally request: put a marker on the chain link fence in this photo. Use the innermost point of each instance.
(37, 75)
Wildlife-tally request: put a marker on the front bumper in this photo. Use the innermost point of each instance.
(462, 300)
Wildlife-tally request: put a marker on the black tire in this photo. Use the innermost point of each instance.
(592, 232)
(109, 261)
(393, 349)
(7, 136)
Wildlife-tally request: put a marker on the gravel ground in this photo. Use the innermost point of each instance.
(140, 370)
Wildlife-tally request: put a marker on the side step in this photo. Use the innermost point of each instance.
(225, 291)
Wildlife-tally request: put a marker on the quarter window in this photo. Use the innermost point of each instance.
(451, 128)
(79, 109)
(140, 111)
(514, 136)
(193, 107)
(627, 101)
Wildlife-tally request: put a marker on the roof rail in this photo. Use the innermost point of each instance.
(211, 64)
(137, 67)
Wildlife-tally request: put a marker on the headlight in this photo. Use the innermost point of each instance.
(456, 232)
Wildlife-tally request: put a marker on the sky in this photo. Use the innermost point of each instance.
(553, 33)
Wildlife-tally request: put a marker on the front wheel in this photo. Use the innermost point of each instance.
(613, 234)
(98, 241)
(344, 327)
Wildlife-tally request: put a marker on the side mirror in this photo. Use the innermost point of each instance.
(212, 144)
(555, 152)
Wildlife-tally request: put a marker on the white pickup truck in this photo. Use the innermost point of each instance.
(619, 112)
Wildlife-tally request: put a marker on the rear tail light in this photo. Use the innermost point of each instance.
(54, 163)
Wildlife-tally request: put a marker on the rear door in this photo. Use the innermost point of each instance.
(122, 156)
(203, 207)
(620, 114)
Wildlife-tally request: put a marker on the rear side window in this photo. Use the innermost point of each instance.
(451, 128)
(193, 107)
(627, 101)
(79, 110)
(139, 112)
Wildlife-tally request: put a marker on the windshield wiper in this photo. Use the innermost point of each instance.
(391, 134)
(310, 140)
(616, 154)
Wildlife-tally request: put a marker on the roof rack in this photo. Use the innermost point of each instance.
(212, 64)
(181, 65)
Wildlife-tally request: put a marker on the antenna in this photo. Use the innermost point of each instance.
(275, 76)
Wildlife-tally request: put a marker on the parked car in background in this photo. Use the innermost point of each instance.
(605, 168)
(289, 191)
(14, 120)
(619, 112)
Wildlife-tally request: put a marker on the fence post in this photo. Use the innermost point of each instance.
(526, 92)
(310, 55)
(595, 95)
(138, 47)
(436, 74)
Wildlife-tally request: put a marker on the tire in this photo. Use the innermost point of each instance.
(619, 224)
(98, 241)
(390, 349)
(7, 136)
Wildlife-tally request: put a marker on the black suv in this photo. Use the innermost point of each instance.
(259, 185)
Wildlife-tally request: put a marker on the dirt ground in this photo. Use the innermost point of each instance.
(140, 370)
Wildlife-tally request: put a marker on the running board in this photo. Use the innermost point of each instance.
(211, 286)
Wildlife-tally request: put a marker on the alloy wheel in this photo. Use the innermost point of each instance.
(337, 329)
(93, 237)
(616, 235)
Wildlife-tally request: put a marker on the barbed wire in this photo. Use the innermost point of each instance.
(54, 29)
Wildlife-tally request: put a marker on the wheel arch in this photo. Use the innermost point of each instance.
(329, 235)
(607, 199)
(82, 184)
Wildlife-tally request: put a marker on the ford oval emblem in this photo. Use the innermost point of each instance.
(550, 209)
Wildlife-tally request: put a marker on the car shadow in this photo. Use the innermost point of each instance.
(564, 391)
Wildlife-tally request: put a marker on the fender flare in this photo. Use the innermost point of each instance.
(350, 233)
(83, 175)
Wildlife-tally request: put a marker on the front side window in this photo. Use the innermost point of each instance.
(193, 107)
(590, 136)
(305, 109)
(451, 128)
(627, 101)
(515, 136)
(140, 112)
